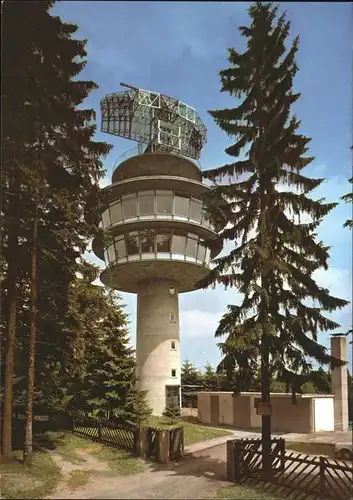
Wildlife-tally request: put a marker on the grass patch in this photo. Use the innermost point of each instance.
(64, 443)
(119, 461)
(245, 492)
(193, 433)
(312, 448)
(78, 478)
(37, 481)
(197, 433)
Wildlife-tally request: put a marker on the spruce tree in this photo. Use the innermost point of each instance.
(190, 376)
(172, 410)
(50, 164)
(275, 253)
(104, 378)
(348, 198)
(210, 379)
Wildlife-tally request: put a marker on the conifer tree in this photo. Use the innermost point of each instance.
(50, 164)
(190, 376)
(275, 253)
(349, 199)
(172, 410)
(210, 379)
(104, 379)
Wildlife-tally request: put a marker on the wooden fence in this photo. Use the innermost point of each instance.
(105, 431)
(305, 475)
(162, 445)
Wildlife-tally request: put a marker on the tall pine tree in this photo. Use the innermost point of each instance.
(104, 379)
(51, 163)
(275, 253)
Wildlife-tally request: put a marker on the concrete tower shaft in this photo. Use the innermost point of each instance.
(158, 346)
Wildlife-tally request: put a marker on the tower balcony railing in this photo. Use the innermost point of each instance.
(140, 149)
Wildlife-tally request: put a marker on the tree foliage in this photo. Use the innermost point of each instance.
(276, 249)
(348, 198)
(51, 168)
(172, 410)
(105, 380)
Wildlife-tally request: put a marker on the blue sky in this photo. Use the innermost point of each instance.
(178, 49)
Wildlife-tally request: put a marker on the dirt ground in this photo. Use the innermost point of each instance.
(192, 478)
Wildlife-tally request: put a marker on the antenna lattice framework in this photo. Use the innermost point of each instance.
(157, 122)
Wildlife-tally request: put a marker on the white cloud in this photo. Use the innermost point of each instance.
(337, 281)
(196, 323)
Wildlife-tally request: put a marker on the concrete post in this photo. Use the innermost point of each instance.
(339, 380)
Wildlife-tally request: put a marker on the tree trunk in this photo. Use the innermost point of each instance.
(27, 450)
(265, 400)
(12, 275)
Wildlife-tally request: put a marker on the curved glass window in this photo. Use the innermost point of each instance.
(164, 202)
(191, 245)
(111, 254)
(147, 241)
(132, 243)
(160, 244)
(157, 204)
(146, 203)
(130, 206)
(195, 209)
(106, 218)
(116, 212)
(179, 242)
(201, 252)
(164, 241)
(181, 205)
(120, 247)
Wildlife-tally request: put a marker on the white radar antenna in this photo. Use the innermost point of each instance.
(155, 121)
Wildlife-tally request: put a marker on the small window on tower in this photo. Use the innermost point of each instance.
(173, 373)
(173, 345)
(172, 318)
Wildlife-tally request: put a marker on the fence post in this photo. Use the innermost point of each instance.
(283, 454)
(99, 431)
(322, 477)
(182, 442)
(231, 461)
(162, 446)
(141, 442)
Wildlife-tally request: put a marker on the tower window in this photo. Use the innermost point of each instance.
(173, 345)
(172, 318)
(174, 373)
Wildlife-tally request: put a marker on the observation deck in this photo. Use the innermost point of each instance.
(154, 223)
